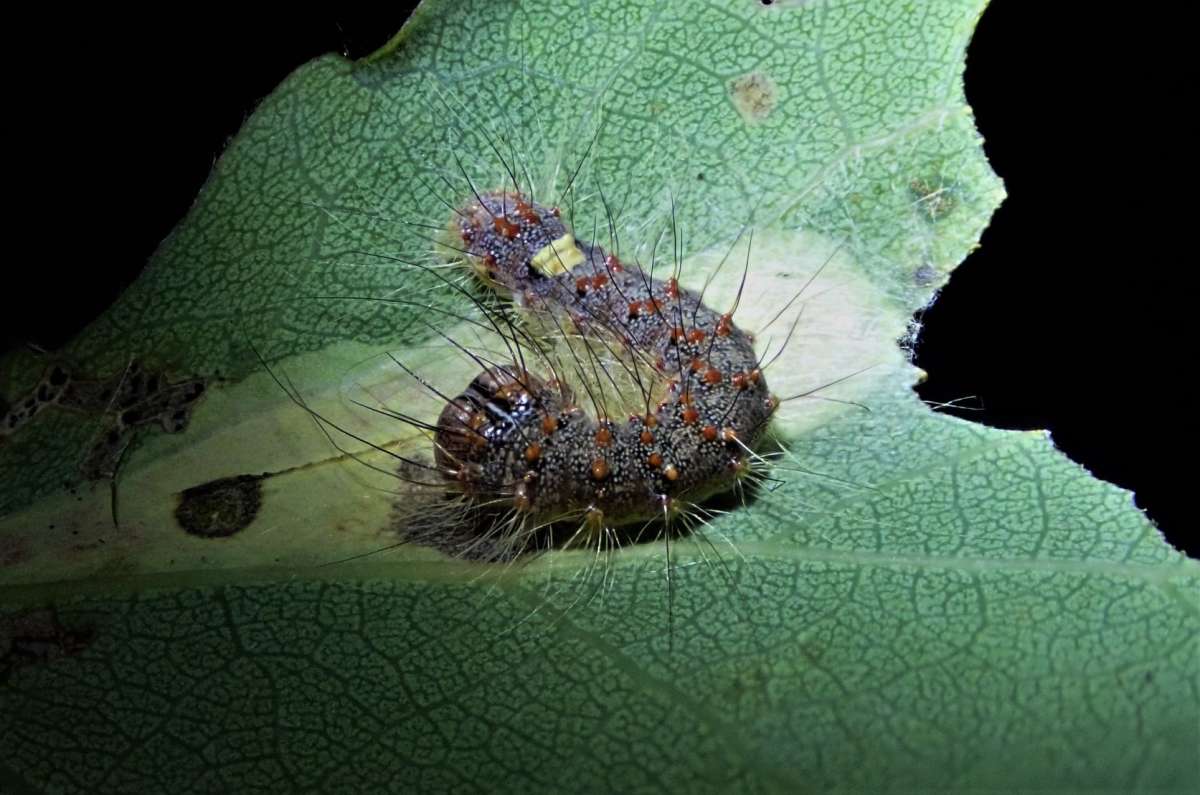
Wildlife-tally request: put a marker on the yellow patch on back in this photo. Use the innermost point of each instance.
(559, 256)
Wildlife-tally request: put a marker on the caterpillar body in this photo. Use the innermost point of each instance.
(520, 441)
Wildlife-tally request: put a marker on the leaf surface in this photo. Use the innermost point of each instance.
(922, 604)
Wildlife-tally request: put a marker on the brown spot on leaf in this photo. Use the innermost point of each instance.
(220, 507)
(935, 198)
(754, 95)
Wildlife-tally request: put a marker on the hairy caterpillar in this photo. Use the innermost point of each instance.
(603, 401)
(517, 435)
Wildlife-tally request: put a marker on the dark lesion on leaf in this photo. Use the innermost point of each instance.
(20, 411)
(36, 637)
(124, 402)
(220, 508)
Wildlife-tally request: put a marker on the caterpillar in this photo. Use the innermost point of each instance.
(519, 437)
(606, 402)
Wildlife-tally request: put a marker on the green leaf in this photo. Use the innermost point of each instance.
(923, 604)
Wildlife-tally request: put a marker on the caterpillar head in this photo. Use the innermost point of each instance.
(513, 243)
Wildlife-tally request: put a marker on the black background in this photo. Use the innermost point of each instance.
(1069, 317)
